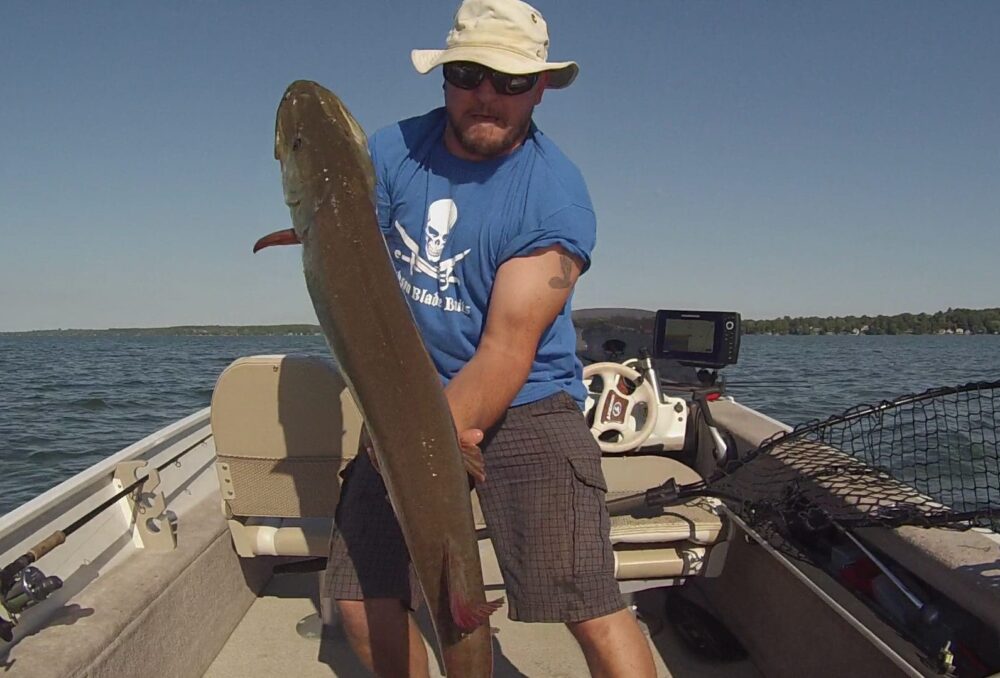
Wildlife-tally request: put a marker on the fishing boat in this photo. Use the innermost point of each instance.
(198, 550)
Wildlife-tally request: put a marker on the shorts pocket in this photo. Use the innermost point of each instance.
(592, 554)
(589, 472)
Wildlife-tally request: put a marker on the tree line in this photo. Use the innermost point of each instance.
(952, 321)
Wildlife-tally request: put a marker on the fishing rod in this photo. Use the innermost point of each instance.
(23, 586)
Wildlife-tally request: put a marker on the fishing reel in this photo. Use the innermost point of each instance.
(21, 587)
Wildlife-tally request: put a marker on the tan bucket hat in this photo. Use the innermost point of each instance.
(506, 35)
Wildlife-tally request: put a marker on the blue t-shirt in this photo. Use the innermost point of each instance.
(450, 223)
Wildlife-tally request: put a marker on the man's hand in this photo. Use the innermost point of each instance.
(368, 447)
(472, 456)
(468, 443)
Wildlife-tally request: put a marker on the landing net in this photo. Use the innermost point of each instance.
(925, 459)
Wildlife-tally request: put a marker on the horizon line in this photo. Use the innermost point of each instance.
(314, 324)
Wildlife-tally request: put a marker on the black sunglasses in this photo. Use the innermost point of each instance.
(468, 75)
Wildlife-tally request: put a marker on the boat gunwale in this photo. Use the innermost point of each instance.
(71, 499)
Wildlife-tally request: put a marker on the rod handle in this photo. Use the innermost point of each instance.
(41, 548)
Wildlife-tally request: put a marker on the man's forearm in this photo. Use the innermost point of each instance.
(528, 294)
(483, 390)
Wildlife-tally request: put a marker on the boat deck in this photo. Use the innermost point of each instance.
(268, 643)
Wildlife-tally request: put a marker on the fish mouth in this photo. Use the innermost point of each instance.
(286, 236)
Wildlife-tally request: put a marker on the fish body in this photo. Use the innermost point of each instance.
(329, 187)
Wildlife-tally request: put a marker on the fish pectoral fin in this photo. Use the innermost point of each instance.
(286, 236)
(467, 615)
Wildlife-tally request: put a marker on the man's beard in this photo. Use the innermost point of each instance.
(489, 145)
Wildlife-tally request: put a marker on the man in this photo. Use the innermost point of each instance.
(489, 226)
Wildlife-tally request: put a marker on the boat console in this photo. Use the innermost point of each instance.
(644, 372)
(634, 359)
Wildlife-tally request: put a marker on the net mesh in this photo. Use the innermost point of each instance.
(925, 459)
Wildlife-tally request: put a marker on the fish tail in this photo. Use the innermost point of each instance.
(467, 615)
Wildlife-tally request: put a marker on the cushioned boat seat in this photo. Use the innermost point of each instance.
(697, 521)
(284, 427)
(675, 544)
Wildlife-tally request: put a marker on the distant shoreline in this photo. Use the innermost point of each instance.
(957, 321)
(180, 331)
(239, 332)
(954, 321)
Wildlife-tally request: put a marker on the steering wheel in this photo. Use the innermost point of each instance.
(613, 408)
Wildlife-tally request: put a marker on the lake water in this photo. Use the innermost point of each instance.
(66, 403)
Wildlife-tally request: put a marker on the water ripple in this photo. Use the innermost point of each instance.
(66, 403)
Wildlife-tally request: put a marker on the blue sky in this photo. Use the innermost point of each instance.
(766, 157)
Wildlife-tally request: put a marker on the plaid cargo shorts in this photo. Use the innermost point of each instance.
(543, 500)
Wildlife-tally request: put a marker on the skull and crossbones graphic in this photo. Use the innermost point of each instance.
(441, 218)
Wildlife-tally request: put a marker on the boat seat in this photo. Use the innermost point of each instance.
(284, 427)
(679, 542)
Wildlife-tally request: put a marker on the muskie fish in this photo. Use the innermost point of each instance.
(329, 187)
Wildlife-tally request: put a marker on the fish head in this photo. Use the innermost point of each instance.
(291, 143)
(313, 130)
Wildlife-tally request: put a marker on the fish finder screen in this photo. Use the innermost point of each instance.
(690, 336)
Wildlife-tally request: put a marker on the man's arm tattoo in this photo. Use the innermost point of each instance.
(565, 281)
